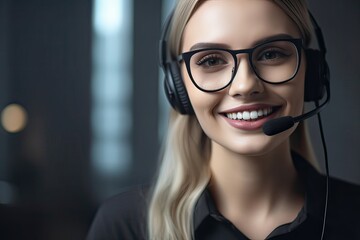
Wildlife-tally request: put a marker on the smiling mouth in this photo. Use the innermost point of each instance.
(252, 115)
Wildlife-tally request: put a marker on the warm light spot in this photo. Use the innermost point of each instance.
(13, 118)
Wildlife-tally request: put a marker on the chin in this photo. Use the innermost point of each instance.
(253, 145)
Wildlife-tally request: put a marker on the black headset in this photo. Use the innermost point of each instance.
(317, 77)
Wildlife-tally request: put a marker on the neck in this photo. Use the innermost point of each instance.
(247, 182)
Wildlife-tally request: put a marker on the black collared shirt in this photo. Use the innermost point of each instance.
(124, 216)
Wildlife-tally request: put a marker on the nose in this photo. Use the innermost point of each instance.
(245, 83)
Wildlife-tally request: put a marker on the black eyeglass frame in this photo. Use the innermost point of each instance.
(186, 56)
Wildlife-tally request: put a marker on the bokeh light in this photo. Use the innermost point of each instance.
(14, 118)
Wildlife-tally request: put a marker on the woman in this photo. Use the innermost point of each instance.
(221, 177)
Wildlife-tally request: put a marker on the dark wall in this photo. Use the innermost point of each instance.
(340, 22)
(46, 68)
(147, 22)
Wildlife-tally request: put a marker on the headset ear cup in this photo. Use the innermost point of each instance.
(316, 75)
(169, 92)
(176, 91)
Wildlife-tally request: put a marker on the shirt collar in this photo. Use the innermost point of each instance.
(312, 180)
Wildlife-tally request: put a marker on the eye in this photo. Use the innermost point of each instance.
(212, 60)
(280, 53)
(272, 55)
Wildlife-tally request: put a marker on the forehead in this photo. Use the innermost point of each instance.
(237, 23)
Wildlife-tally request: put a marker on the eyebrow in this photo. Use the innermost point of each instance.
(203, 45)
(273, 37)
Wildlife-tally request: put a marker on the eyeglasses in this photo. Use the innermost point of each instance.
(213, 69)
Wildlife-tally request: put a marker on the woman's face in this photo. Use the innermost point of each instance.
(241, 24)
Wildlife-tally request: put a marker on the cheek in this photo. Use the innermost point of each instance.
(203, 103)
(293, 93)
(200, 100)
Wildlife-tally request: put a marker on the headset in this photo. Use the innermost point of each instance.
(317, 82)
(174, 87)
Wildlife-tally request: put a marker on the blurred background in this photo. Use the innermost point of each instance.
(83, 111)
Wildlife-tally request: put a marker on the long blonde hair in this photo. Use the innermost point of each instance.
(184, 169)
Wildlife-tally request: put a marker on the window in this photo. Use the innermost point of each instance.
(111, 93)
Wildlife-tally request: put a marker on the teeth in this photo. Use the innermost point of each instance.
(253, 114)
(246, 115)
(239, 115)
(249, 115)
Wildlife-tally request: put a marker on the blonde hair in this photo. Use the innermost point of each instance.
(184, 171)
(182, 178)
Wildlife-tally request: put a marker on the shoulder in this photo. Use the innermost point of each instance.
(127, 205)
(344, 192)
(344, 208)
(122, 216)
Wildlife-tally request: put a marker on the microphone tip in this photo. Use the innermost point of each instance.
(278, 125)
